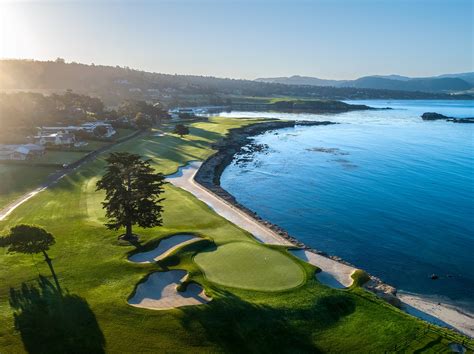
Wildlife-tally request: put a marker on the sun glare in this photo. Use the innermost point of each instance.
(16, 38)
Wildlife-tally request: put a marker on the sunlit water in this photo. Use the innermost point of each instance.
(384, 190)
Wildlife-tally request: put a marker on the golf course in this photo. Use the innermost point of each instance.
(253, 297)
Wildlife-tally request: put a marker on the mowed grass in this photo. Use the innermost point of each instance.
(93, 267)
(60, 157)
(250, 266)
(18, 179)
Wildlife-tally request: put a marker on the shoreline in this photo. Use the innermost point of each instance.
(208, 176)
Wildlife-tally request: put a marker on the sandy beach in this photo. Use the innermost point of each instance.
(334, 273)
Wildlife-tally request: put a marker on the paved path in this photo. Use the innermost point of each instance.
(56, 176)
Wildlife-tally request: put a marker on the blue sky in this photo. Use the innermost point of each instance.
(247, 39)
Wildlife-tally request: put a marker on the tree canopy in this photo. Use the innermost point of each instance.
(28, 239)
(181, 130)
(133, 193)
(143, 121)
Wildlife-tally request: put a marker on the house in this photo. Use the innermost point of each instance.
(53, 130)
(20, 152)
(177, 113)
(35, 149)
(91, 127)
(63, 139)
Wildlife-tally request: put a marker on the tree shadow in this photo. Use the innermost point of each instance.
(241, 326)
(51, 322)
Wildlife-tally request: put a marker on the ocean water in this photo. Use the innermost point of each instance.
(384, 190)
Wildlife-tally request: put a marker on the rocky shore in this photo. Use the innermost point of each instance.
(210, 172)
(438, 116)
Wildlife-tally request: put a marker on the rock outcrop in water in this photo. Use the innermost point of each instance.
(438, 116)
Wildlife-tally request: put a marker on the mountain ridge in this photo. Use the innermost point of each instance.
(441, 83)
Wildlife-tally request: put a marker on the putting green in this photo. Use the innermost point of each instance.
(250, 266)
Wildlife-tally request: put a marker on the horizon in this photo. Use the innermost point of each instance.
(114, 32)
(223, 77)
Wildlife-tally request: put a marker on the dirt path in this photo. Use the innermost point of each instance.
(56, 176)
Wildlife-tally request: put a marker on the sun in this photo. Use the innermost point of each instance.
(16, 36)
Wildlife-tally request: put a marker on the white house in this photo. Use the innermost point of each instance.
(86, 127)
(176, 112)
(92, 126)
(55, 139)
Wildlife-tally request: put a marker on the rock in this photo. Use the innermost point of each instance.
(433, 116)
(461, 120)
(437, 116)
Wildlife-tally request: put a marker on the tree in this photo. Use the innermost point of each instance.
(143, 121)
(100, 131)
(181, 130)
(133, 192)
(30, 239)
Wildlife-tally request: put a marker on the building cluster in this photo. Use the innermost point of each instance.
(55, 136)
(20, 151)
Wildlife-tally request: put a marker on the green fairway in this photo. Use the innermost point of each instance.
(250, 266)
(59, 157)
(18, 179)
(93, 201)
(92, 265)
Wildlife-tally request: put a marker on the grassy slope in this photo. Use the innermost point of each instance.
(92, 265)
(17, 179)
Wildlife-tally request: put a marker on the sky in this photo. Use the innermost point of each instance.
(333, 39)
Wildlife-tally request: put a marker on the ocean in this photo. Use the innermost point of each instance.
(384, 190)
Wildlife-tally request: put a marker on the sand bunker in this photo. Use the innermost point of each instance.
(333, 274)
(165, 247)
(159, 292)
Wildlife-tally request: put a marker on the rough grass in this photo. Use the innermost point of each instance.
(250, 266)
(93, 267)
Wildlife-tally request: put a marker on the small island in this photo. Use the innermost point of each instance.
(438, 116)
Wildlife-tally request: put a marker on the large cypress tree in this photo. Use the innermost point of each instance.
(133, 193)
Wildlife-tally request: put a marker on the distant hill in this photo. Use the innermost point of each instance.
(113, 84)
(468, 77)
(440, 84)
(426, 85)
(301, 80)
